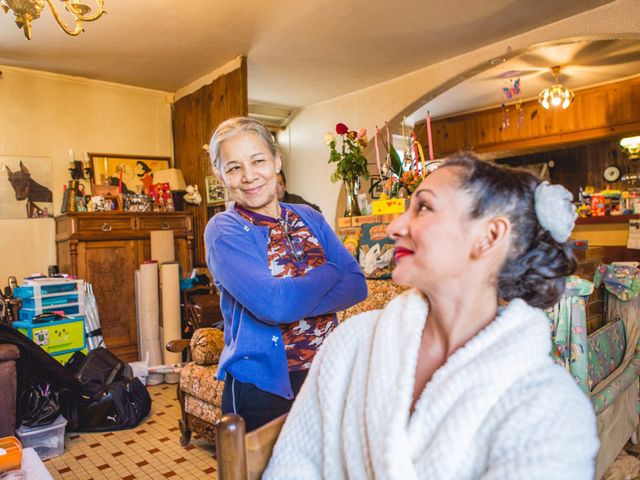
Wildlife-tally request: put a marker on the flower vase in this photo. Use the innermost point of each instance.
(351, 188)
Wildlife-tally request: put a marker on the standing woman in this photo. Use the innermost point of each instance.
(453, 380)
(281, 272)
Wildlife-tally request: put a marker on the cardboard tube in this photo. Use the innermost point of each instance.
(170, 278)
(148, 308)
(162, 246)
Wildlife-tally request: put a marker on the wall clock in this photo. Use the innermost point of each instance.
(611, 173)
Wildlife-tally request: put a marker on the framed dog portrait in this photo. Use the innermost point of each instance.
(25, 187)
(134, 171)
(216, 193)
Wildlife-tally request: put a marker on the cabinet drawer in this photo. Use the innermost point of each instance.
(105, 224)
(179, 223)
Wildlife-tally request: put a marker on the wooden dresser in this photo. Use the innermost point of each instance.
(106, 249)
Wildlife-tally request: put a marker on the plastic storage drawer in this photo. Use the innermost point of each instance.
(47, 286)
(47, 441)
(27, 314)
(55, 337)
(34, 303)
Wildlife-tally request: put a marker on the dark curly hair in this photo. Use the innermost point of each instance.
(536, 265)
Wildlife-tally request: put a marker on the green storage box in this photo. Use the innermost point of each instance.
(63, 358)
(56, 337)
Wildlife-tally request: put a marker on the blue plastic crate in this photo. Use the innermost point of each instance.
(27, 314)
(40, 287)
(35, 303)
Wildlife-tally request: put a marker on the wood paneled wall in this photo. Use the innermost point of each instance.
(582, 165)
(195, 117)
(596, 113)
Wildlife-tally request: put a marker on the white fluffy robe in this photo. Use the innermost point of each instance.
(497, 409)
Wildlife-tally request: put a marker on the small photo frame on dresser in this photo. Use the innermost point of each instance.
(136, 203)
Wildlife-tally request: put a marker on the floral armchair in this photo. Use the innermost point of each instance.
(199, 393)
(606, 363)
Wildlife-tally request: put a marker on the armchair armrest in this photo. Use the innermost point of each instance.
(207, 345)
(177, 346)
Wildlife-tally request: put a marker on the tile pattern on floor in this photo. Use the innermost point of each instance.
(150, 451)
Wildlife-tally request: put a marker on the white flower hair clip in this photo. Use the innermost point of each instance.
(555, 211)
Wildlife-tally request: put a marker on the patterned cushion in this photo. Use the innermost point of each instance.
(207, 345)
(376, 251)
(206, 411)
(608, 395)
(380, 293)
(199, 381)
(605, 351)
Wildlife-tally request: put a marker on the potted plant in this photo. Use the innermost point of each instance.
(351, 164)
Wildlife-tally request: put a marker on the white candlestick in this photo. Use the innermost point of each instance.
(71, 155)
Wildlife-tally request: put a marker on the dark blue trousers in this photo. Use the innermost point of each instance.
(256, 406)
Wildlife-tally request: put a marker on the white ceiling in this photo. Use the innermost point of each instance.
(299, 51)
(584, 63)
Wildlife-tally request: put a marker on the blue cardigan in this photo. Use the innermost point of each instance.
(254, 303)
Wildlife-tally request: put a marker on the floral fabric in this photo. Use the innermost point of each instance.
(606, 347)
(380, 293)
(568, 323)
(621, 281)
(199, 381)
(206, 346)
(293, 251)
(608, 395)
(198, 408)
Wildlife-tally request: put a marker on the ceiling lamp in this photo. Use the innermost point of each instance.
(556, 95)
(27, 10)
(631, 145)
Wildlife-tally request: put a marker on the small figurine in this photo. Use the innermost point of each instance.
(193, 195)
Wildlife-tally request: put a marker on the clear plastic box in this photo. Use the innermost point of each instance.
(47, 441)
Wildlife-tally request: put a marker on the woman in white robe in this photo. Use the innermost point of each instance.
(453, 379)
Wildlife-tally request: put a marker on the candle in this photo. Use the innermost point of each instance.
(375, 141)
(424, 171)
(71, 155)
(86, 157)
(429, 139)
(388, 138)
(404, 139)
(416, 157)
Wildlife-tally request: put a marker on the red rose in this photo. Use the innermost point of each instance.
(341, 129)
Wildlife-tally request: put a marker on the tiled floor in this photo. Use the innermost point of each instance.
(149, 451)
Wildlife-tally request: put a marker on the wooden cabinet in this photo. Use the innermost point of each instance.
(106, 249)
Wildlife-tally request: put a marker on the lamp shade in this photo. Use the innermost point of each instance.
(172, 176)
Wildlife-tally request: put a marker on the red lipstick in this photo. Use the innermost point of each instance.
(400, 252)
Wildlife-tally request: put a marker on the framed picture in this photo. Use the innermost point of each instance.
(133, 202)
(376, 186)
(216, 193)
(135, 171)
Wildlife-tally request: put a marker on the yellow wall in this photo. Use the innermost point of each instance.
(44, 115)
(306, 154)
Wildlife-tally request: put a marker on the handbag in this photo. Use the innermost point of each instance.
(43, 403)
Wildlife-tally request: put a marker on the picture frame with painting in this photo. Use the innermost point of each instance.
(216, 193)
(134, 172)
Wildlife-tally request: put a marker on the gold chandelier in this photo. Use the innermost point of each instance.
(556, 95)
(27, 10)
(631, 145)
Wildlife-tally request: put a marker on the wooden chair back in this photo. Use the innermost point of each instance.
(244, 456)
